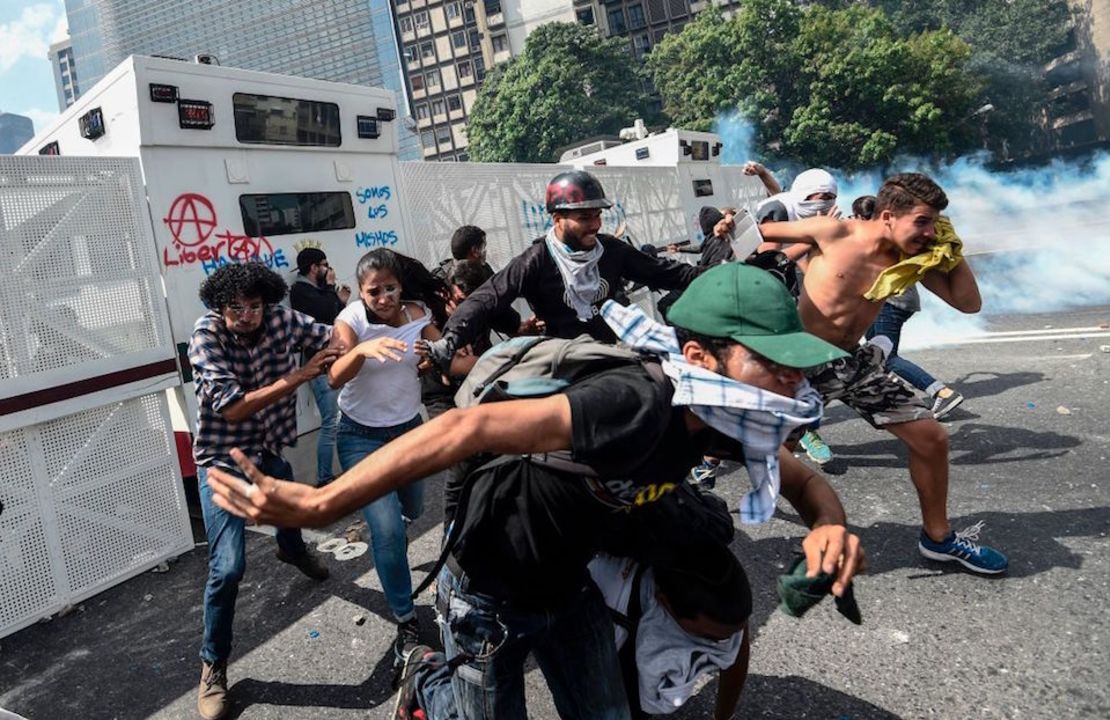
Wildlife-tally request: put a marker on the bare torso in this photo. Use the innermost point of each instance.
(840, 271)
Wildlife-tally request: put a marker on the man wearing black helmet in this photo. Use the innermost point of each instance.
(566, 275)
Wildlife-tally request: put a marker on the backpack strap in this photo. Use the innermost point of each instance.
(630, 673)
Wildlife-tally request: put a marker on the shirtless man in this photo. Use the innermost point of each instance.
(846, 256)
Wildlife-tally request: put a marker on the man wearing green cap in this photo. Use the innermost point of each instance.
(516, 582)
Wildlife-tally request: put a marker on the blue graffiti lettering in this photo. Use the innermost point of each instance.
(375, 213)
(365, 195)
(274, 261)
(376, 238)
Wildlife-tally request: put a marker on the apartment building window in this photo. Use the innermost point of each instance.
(427, 51)
(640, 46)
(432, 79)
(437, 107)
(463, 157)
(493, 7)
(443, 135)
(468, 13)
(420, 17)
(479, 69)
(585, 16)
(464, 70)
(421, 111)
(636, 16)
(428, 139)
(417, 82)
(405, 24)
(475, 40)
(458, 39)
(410, 53)
(454, 102)
(616, 21)
(500, 43)
(452, 10)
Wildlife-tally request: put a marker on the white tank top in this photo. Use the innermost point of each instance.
(383, 394)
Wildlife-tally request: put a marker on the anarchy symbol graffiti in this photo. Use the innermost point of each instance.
(191, 219)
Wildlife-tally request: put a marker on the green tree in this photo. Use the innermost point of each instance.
(567, 85)
(825, 86)
(1011, 41)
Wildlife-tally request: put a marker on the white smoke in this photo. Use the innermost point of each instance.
(1037, 238)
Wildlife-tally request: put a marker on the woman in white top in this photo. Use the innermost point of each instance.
(380, 401)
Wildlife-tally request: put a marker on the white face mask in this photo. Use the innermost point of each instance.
(810, 208)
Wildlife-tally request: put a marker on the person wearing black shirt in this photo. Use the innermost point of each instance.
(566, 275)
(315, 294)
(517, 580)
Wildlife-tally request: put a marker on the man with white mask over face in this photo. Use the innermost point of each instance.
(811, 194)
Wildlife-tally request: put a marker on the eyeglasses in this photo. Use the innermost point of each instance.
(244, 310)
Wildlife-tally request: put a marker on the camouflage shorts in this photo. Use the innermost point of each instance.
(862, 382)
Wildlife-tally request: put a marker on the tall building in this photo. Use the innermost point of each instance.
(14, 131)
(446, 48)
(1078, 116)
(337, 40)
(65, 73)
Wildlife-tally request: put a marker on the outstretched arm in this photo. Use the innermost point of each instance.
(957, 287)
(811, 231)
(511, 427)
(829, 547)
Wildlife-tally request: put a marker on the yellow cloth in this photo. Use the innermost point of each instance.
(945, 253)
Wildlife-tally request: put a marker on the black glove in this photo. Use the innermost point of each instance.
(442, 351)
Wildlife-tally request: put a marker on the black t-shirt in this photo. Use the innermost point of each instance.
(529, 531)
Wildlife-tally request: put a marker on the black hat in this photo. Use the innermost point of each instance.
(308, 257)
(575, 190)
(708, 217)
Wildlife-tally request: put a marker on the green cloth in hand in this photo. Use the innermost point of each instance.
(799, 593)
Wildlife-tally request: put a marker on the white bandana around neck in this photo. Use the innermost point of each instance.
(580, 273)
(759, 419)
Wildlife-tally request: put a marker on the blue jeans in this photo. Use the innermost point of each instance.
(328, 407)
(227, 560)
(574, 648)
(386, 516)
(889, 324)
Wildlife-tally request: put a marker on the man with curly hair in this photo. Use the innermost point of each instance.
(244, 354)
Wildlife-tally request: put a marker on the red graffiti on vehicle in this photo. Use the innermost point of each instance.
(191, 219)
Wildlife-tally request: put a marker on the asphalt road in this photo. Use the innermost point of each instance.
(1029, 457)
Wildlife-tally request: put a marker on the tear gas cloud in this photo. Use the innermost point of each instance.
(1038, 238)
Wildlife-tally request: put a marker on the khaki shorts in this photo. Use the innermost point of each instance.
(862, 382)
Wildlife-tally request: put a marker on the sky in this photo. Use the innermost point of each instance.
(27, 27)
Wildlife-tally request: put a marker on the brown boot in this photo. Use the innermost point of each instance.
(212, 700)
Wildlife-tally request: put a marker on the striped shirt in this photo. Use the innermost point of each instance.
(226, 368)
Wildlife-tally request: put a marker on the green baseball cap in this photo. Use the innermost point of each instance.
(752, 307)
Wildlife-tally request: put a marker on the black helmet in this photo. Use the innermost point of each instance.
(575, 190)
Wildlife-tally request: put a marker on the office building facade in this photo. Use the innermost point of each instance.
(14, 131)
(65, 73)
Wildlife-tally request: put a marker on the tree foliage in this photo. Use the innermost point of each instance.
(1010, 41)
(826, 86)
(568, 84)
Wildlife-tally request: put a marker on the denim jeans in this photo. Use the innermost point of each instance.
(227, 560)
(328, 407)
(574, 648)
(386, 516)
(889, 324)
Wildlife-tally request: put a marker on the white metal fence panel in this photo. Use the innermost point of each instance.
(89, 477)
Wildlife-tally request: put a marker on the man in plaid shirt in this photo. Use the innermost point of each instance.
(244, 354)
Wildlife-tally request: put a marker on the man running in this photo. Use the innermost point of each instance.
(848, 258)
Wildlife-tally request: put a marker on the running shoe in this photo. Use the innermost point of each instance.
(946, 404)
(816, 448)
(408, 637)
(964, 548)
(704, 475)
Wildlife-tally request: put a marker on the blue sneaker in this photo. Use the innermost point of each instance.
(816, 448)
(963, 547)
(704, 475)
